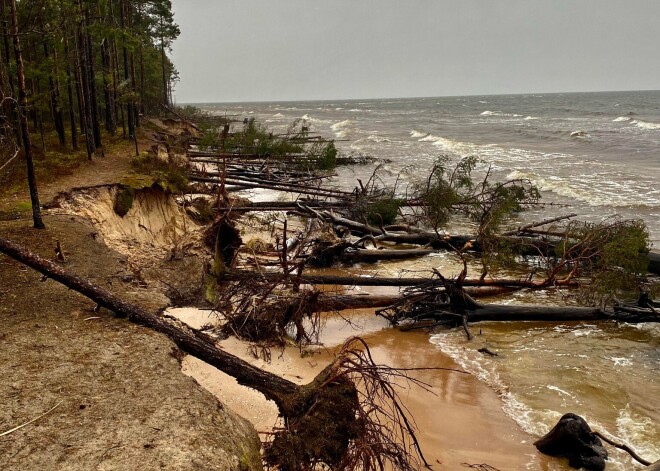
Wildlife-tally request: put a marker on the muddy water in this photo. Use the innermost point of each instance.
(459, 420)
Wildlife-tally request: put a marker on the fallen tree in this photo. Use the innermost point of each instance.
(352, 399)
(443, 302)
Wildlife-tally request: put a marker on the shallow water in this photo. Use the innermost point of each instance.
(598, 152)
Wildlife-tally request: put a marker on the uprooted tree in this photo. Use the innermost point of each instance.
(349, 417)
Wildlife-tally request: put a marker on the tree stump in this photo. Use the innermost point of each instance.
(573, 438)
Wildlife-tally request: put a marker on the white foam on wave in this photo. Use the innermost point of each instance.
(621, 118)
(342, 128)
(645, 124)
(377, 138)
(590, 189)
(306, 117)
(579, 134)
(621, 361)
(530, 118)
(278, 115)
(499, 113)
(418, 134)
(640, 431)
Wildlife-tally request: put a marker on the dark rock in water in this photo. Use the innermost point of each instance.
(573, 438)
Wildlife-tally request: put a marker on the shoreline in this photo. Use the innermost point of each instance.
(460, 421)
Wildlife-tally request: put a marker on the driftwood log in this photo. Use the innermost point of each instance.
(573, 438)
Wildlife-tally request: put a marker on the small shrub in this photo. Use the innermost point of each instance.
(383, 211)
(124, 201)
(171, 177)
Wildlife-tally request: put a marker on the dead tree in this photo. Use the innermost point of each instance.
(443, 302)
(364, 428)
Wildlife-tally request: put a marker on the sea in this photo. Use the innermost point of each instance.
(594, 154)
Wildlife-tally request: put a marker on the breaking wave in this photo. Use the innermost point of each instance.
(499, 113)
(621, 118)
(417, 134)
(645, 124)
(377, 138)
(593, 190)
(342, 128)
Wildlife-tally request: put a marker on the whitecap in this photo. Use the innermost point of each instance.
(376, 138)
(621, 118)
(645, 124)
(341, 128)
(278, 115)
(417, 134)
(429, 138)
(579, 134)
(529, 118)
(489, 113)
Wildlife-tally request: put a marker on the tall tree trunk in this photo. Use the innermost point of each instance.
(22, 98)
(136, 108)
(92, 82)
(69, 90)
(115, 73)
(164, 74)
(86, 92)
(77, 66)
(142, 82)
(55, 101)
(127, 72)
(110, 119)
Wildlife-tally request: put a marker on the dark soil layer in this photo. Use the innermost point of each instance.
(123, 401)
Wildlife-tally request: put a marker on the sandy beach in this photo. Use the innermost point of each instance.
(459, 421)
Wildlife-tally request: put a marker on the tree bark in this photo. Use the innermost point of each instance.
(22, 98)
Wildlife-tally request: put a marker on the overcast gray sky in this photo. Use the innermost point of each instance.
(270, 50)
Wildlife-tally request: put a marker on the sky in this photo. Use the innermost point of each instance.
(293, 50)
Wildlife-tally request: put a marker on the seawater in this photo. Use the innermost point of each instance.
(599, 153)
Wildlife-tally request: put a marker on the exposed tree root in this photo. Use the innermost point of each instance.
(349, 417)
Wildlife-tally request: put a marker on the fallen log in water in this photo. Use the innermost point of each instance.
(356, 280)
(341, 302)
(452, 305)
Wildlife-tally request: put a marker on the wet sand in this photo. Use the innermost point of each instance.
(460, 421)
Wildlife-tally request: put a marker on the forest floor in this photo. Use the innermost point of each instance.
(112, 392)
